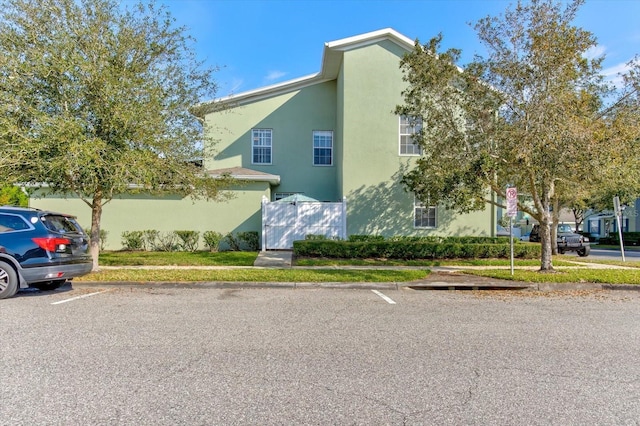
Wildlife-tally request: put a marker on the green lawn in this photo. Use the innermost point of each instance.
(179, 258)
(564, 275)
(254, 275)
(568, 269)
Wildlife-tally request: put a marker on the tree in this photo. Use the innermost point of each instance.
(528, 115)
(94, 102)
(11, 195)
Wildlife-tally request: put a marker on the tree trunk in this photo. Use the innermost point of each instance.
(555, 219)
(546, 264)
(96, 215)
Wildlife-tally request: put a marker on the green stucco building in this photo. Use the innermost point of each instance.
(330, 136)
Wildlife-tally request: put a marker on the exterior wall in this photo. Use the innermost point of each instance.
(371, 164)
(139, 212)
(358, 106)
(292, 117)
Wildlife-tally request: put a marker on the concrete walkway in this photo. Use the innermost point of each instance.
(274, 259)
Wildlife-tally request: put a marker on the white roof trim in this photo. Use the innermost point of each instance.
(369, 38)
(274, 88)
(263, 177)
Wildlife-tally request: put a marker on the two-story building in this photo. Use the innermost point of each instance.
(331, 136)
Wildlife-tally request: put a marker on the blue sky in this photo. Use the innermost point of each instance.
(262, 42)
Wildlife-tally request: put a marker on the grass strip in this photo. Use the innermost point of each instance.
(422, 262)
(601, 276)
(628, 264)
(254, 275)
(198, 258)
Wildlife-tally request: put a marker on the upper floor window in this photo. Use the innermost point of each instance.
(409, 126)
(322, 148)
(424, 216)
(261, 146)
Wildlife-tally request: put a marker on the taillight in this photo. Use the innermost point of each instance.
(52, 244)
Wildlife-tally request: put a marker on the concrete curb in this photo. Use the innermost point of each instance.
(248, 285)
(415, 285)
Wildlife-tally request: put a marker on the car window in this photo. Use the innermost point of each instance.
(564, 228)
(11, 222)
(58, 223)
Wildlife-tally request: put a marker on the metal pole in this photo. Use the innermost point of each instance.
(618, 212)
(511, 241)
(620, 235)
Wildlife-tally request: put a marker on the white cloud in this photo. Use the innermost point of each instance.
(614, 73)
(236, 84)
(595, 52)
(274, 75)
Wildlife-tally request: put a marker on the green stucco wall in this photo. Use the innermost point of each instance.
(292, 117)
(139, 212)
(371, 165)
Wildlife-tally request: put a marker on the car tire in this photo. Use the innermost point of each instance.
(48, 285)
(8, 281)
(584, 252)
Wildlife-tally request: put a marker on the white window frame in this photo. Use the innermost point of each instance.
(419, 209)
(324, 134)
(405, 133)
(259, 140)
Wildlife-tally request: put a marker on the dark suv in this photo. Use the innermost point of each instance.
(567, 240)
(40, 249)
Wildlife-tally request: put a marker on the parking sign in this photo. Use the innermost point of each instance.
(512, 202)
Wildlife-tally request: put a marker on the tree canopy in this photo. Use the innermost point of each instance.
(95, 101)
(535, 113)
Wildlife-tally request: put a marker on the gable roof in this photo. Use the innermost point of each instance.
(331, 60)
(245, 174)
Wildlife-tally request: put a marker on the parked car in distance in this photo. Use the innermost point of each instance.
(567, 240)
(40, 249)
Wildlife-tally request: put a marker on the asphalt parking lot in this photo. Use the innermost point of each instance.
(168, 356)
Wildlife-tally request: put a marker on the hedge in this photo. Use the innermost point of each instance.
(629, 238)
(409, 248)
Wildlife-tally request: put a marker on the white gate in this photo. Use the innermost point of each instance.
(285, 222)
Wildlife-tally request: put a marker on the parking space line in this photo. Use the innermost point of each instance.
(79, 297)
(386, 298)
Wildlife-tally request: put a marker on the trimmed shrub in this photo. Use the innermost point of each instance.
(250, 240)
(132, 240)
(413, 248)
(212, 240)
(103, 237)
(365, 238)
(189, 240)
(150, 237)
(315, 237)
(232, 242)
(167, 241)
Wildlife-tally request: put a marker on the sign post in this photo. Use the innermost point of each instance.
(618, 212)
(512, 211)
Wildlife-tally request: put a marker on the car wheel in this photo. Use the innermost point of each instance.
(583, 252)
(48, 285)
(8, 281)
(560, 251)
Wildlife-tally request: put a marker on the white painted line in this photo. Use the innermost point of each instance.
(386, 298)
(79, 297)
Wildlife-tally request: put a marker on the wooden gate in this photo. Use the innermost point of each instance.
(285, 222)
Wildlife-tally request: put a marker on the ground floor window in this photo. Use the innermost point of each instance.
(424, 216)
(280, 195)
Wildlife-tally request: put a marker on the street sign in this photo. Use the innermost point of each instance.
(512, 202)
